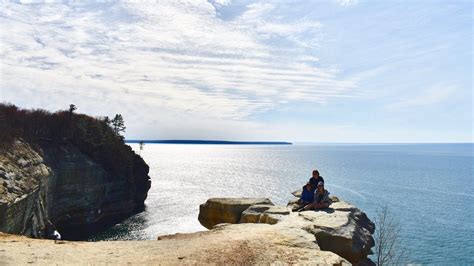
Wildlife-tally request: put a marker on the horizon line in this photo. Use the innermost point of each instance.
(195, 141)
(286, 142)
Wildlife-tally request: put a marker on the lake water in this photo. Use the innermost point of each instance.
(428, 187)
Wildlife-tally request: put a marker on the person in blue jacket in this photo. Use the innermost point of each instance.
(307, 196)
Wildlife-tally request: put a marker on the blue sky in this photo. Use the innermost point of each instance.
(322, 71)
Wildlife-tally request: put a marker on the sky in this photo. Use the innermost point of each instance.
(300, 71)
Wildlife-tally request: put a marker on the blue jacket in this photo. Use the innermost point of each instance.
(307, 195)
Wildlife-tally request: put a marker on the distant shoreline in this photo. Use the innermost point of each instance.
(210, 142)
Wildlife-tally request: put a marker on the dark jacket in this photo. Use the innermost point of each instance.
(314, 181)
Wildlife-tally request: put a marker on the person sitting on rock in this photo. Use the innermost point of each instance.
(321, 199)
(315, 179)
(307, 196)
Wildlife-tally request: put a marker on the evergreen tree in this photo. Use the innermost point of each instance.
(118, 125)
(72, 108)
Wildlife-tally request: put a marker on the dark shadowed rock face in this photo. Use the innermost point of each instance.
(79, 196)
(83, 197)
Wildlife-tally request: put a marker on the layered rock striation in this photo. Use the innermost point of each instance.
(341, 229)
(61, 187)
(23, 177)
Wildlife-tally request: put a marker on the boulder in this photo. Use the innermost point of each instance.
(333, 198)
(274, 215)
(267, 214)
(252, 214)
(297, 193)
(226, 210)
(346, 233)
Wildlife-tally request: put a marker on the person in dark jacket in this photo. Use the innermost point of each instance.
(315, 179)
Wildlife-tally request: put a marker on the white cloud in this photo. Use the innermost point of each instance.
(175, 57)
(347, 2)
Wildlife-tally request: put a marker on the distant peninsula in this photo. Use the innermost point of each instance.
(219, 142)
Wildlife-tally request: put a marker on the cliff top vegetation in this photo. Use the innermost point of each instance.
(98, 137)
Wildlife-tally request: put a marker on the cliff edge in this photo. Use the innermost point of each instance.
(261, 233)
(66, 171)
(341, 229)
(60, 187)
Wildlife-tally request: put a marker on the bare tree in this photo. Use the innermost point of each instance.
(388, 247)
(141, 146)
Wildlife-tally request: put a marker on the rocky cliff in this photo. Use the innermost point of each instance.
(23, 177)
(59, 186)
(243, 231)
(341, 229)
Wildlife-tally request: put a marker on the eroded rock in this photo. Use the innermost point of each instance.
(22, 191)
(252, 214)
(226, 210)
(342, 229)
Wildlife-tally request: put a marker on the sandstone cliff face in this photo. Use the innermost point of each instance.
(226, 210)
(22, 192)
(342, 229)
(67, 188)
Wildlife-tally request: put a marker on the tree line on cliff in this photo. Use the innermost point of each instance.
(98, 137)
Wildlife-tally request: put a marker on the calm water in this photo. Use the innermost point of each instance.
(428, 187)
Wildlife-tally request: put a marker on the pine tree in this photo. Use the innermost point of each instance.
(118, 125)
(71, 110)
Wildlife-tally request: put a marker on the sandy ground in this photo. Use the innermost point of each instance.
(210, 247)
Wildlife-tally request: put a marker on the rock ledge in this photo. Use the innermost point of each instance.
(341, 229)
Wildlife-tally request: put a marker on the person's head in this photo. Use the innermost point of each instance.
(308, 186)
(320, 187)
(315, 173)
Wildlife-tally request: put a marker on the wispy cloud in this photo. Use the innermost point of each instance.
(177, 55)
(246, 69)
(425, 98)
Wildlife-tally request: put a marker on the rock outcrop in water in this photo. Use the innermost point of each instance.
(62, 186)
(342, 229)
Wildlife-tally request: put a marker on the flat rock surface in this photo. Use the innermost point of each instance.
(234, 244)
(331, 219)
